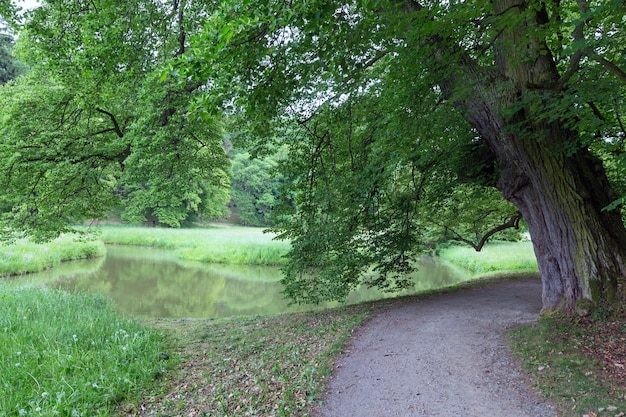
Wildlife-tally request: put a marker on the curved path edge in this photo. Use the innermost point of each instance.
(445, 355)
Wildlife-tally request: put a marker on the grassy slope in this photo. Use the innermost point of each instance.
(265, 366)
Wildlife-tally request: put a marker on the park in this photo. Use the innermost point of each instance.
(207, 206)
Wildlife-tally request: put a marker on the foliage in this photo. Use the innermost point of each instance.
(255, 187)
(382, 106)
(178, 166)
(93, 126)
(399, 118)
(70, 355)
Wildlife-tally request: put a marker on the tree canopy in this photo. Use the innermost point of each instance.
(93, 125)
(405, 122)
(402, 115)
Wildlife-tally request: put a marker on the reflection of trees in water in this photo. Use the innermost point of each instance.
(155, 288)
(247, 297)
(142, 283)
(431, 273)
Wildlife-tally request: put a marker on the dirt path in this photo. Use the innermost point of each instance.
(442, 356)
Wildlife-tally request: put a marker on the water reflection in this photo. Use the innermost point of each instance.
(153, 283)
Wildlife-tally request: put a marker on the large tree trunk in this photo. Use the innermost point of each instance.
(580, 248)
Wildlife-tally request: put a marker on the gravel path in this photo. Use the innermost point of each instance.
(441, 356)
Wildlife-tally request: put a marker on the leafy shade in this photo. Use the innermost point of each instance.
(10, 67)
(93, 126)
(402, 116)
(370, 195)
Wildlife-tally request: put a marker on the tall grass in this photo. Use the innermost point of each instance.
(228, 245)
(497, 257)
(25, 256)
(70, 355)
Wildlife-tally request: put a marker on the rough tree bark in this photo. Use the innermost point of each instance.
(580, 248)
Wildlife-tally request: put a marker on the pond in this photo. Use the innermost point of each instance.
(153, 283)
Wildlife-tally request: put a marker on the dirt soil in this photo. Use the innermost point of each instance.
(442, 356)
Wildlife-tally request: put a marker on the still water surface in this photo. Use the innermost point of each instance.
(153, 283)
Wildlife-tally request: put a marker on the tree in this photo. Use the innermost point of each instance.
(9, 66)
(401, 117)
(94, 125)
(255, 187)
(393, 97)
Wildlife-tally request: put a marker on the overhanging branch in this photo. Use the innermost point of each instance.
(512, 223)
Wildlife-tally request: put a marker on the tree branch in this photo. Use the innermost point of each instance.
(513, 222)
(116, 126)
(621, 74)
(179, 7)
(578, 35)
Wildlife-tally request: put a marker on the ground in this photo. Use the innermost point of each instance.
(443, 356)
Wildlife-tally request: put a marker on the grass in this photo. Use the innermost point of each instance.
(227, 245)
(70, 355)
(494, 258)
(25, 257)
(578, 364)
(268, 366)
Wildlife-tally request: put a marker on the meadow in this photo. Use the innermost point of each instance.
(220, 244)
(494, 258)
